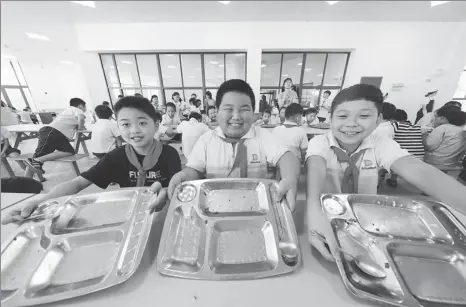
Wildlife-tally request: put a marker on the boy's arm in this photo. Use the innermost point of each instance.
(119, 141)
(6, 145)
(81, 120)
(289, 170)
(67, 188)
(432, 181)
(433, 140)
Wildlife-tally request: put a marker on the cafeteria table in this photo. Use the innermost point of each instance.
(316, 283)
(81, 137)
(310, 131)
(24, 132)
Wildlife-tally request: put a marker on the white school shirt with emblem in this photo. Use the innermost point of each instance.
(104, 134)
(214, 157)
(294, 138)
(191, 131)
(67, 121)
(380, 153)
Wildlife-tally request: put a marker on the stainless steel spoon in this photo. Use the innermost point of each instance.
(367, 265)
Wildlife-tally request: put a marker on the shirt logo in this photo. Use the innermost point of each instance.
(255, 159)
(368, 164)
(149, 175)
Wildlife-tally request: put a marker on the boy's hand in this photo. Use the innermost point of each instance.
(160, 201)
(174, 182)
(320, 232)
(287, 187)
(17, 216)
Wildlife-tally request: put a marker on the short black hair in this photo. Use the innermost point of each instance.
(359, 92)
(106, 103)
(388, 111)
(453, 114)
(103, 112)
(268, 111)
(198, 103)
(138, 103)
(120, 96)
(138, 94)
(154, 96)
(210, 108)
(195, 115)
(293, 110)
(237, 86)
(453, 103)
(401, 115)
(208, 94)
(170, 104)
(76, 102)
(328, 92)
(310, 111)
(192, 101)
(175, 94)
(21, 185)
(193, 94)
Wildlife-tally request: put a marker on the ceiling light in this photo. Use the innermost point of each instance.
(285, 75)
(213, 62)
(308, 69)
(239, 54)
(126, 62)
(90, 4)
(319, 75)
(436, 3)
(171, 66)
(221, 65)
(224, 2)
(332, 2)
(263, 65)
(37, 36)
(300, 64)
(169, 55)
(191, 77)
(66, 62)
(198, 68)
(167, 76)
(219, 76)
(8, 56)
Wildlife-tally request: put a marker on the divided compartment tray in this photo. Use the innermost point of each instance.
(220, 229)
(94, 242)
(420, 245)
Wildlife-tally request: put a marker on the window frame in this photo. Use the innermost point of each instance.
(21, 88)
(463, 99)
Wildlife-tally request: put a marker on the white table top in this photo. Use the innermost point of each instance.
(24, 128)
(316, 283)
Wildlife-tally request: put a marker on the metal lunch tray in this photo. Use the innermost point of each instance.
(420, 244)
(88, 243)
(228, 229)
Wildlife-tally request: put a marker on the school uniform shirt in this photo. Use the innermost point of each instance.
(410, 138)
(214, 157)
(385, 130)
(161, 132)
(191, 131)
(5, 134)
(378, 153)
(25, 117)
(104, 134)
(314, 122)
(288, 97)
(445, 145)
(325, 112)
(167, 121)
(293, 138)
(8, 117)
(115, 167)
(67, 121)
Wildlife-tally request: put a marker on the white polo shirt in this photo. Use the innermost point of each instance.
(104, 134)
(380, 153)
(293, 138)
(167, 121)
(191, 131)
(67, 121)
(385, 130)
(214, 157)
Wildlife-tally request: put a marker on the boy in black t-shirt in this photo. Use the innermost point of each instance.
(143, 161)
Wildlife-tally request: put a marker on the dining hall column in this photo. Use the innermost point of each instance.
(253, 72)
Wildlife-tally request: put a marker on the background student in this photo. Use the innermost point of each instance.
(105, 133)
(310, 117)
(191, 131)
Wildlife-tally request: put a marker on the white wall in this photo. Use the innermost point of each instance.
(422, 55)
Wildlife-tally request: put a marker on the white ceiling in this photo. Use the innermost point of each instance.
(56, 19)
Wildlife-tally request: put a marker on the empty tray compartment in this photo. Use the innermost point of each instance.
(95, 211)
(397, 217)
(355, 242)
(185, 243)
(241, 247)
(21, 257)
(76, 262)
(433, 274)
(233, 198)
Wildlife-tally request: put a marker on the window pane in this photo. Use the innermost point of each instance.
(16, 98)
(171, 74)
(109, 70)
(214, 69)
(148, 69)
(192, 72)
(461, 90)
(169, 93)
(292, 65)
(309, 98)
(236, 66)
(114, 93)
(19, 73)
(30, 100)
(335, 69)
(8, 75)
(314, 69)
(270, 69)
(270, 95)
(149, 92)
(131, 91)
(127, 70)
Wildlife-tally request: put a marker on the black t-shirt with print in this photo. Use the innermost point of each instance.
(115, 167)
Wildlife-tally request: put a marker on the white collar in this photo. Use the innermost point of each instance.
(250, 134)
(365, 144)
(290, 123)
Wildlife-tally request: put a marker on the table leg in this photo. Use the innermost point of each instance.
(85, 147)
(8, 167)
(19, 138)
(78, 141)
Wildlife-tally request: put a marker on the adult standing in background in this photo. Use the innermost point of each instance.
(263, 104)
(287, 95)
(426, 109)
(324, 107)
(209, 102)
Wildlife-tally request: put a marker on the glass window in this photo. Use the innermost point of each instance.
(114, 93)
(461, 90)
(149, 92)
(314, 69)
(29, 99)
(214, 69)
(213, 91)
(19, 73)
(291, 68)
(333, 93)
(270, 69)
(310, 98)
(131, 91)
(171, 73)
(188, 92)
(109, 70)
(16, 98)
(335, 69)
(3, 98)
(148, 69)
(236, 66)
(8, 75)
(127, 70)
(192, 71)
(169, 93)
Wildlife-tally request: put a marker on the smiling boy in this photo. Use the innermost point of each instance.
(237, 148)
(347, 160)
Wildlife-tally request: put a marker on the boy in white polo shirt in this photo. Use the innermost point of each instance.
(290, 134)
(191, 131)
(237, 148)
(347, 160)
(105, 133)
